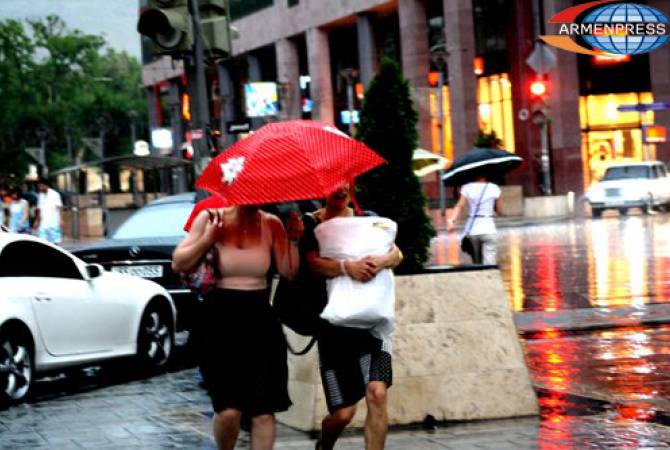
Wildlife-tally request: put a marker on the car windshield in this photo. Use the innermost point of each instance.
(164, 220)
(626, 172)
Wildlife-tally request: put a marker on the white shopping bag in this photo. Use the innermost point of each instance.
(351, 303)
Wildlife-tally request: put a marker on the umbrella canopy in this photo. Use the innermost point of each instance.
(425, 162)
(490, 162)
(213, 201)
(285, 161)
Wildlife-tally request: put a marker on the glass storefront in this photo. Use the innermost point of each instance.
(609, 135)
(494, 103)
(494, 100)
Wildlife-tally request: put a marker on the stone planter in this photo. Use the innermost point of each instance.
(456, 355)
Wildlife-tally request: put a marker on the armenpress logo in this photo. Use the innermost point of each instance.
(610, 27)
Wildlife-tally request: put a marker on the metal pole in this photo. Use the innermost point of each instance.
(440, 128)
(544, 158)
(103, 195)
(350, 104)
(74, 187)
(201, 111)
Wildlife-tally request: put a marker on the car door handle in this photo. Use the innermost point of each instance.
(42, 298)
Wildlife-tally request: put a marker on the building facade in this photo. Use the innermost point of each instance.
(306, 47)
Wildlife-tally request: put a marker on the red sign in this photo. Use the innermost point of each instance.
(655, 134)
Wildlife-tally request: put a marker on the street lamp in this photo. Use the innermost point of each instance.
(350, 75)
(439, 54)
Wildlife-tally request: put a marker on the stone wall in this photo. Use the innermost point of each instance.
(456, 356)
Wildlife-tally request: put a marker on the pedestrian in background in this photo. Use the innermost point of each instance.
(19, 210)
(48, 219)
(353, 363)
(243, 348)
(483, 201)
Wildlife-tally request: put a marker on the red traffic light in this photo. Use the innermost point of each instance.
(187, 151)
(538, 88)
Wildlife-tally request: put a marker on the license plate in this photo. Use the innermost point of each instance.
(153, 271)
(612, 192)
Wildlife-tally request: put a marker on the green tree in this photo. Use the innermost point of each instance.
(488, 140)
(388, 126)
(56, 78)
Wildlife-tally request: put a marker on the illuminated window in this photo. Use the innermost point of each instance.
(609, 135)
(494, 100)
(434, 123)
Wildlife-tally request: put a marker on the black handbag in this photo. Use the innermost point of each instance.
(299, 303)
(467, 244)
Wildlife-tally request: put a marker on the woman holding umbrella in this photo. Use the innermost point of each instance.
(245, 363)
(473, 172)
(483, 200)
(243, 349)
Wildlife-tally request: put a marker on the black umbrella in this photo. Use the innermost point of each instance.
(488, 162)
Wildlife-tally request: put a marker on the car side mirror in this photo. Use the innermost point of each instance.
(94, 270)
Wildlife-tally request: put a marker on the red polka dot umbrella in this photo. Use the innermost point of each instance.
(286, 161)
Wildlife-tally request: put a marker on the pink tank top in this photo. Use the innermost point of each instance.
(246, 268)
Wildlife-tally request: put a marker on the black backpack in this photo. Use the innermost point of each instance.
(298, 303)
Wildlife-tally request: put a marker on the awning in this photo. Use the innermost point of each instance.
(131, 161)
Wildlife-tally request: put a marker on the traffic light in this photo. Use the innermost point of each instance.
(168, 24)
(539, 89)
(216, 29)
(187, 151)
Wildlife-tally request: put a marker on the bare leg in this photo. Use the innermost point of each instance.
(333, 425)
(262, 432)
(376, 422)
(226, 426)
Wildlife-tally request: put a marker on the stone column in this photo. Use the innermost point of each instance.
(659, 66)
(367, 49)
(318, 58)
(520, 39)
(416, 61)
(288, 77)
(460, 33)
(566, 136)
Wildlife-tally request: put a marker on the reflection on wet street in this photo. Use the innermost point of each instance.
(606, 263)
(585, 295)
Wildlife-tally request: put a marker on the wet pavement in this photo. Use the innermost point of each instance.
(591, 302)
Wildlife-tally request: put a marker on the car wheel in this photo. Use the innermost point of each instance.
(16, 367)
(155, 339)
(596, 212)
(623, 211)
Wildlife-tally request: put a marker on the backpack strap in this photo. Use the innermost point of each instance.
(305, 350)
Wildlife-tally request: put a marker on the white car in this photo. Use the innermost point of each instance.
(57, 312)
(644, 185)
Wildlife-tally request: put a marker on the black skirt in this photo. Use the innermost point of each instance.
(349, 359)
(243, 352)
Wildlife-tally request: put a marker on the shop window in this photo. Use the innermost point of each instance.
(609, 135)
(434, 123)
(494, 103)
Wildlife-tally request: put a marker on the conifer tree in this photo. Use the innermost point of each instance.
(388, 126)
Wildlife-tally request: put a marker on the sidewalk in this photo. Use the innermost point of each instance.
(171, 411)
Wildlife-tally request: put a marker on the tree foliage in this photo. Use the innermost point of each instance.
(488, 140)
(56, 78)
(389, 126)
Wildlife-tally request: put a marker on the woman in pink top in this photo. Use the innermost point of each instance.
(243, 358)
